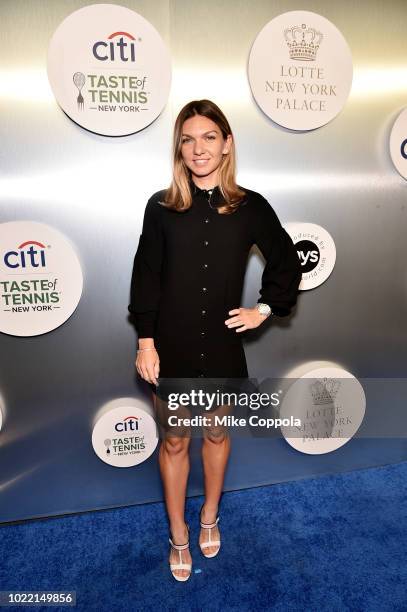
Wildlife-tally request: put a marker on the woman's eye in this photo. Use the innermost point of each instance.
(211, 137)
(185, 140)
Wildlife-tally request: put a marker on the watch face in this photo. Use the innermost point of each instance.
(264, 309)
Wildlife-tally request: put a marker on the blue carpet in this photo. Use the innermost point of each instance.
(333, 543)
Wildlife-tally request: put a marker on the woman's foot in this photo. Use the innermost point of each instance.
(181, 556)
(209, 538)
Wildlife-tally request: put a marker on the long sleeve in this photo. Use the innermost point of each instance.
(146, 275)
(282, 272)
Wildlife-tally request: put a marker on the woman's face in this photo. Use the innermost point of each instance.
(203, 147)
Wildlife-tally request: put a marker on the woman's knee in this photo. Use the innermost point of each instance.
(176, 444)
(212, 430)
(215, 435)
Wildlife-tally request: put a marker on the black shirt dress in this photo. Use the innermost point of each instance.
(189, 270)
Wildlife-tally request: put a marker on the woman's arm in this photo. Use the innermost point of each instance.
(146, 275)
(145, 289)
(282, 272)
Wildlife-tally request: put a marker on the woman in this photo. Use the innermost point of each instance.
(186, 287)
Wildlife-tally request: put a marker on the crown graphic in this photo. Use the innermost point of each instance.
(324, 391)
(303, 42)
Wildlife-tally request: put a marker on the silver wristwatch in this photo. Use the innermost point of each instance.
(264, 309)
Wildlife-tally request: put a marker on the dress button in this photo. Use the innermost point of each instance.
(202, 355)
(201, 375)
(203, 312)
(206, 220)
(206, 242)
(202, 334)
(205, 266)
(203, 288)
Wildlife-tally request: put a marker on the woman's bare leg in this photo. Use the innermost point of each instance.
(215, 455)
(174, 468)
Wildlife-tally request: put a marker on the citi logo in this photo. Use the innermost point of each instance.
(26, 256)
(130, 423)
(403, 149)
(115, 49)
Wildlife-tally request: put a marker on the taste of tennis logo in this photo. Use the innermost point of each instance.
(40, 278)
(316, 251)
(109, 79)
(300, 70)
(130, 443)
(124, 433)
(128, 92)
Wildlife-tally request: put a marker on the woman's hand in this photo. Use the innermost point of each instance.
(148, 364)
(245, 318)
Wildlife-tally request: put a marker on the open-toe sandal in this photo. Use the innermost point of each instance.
(181, 565)
(204, 545)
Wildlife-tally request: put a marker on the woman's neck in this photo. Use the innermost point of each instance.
(211, 183)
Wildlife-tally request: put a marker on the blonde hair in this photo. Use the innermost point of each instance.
(178, 196)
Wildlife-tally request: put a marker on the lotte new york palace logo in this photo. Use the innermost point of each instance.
(303, 42)
(300, 70)
(40, 278)
(119, 76)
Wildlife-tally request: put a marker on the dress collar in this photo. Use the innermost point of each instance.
(195, 190)
(216, 199)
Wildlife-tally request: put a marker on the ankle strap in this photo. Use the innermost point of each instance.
(207, 526)
(179, 546)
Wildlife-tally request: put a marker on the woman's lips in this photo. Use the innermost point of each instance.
(200, 162)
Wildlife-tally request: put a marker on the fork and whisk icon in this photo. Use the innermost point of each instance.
(79, 81)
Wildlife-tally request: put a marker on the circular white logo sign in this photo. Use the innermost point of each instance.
(398, 143)
(330, 403)
(40, 278)
(125, 434)
(316, 251)
(300, 70)
(109, 69)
